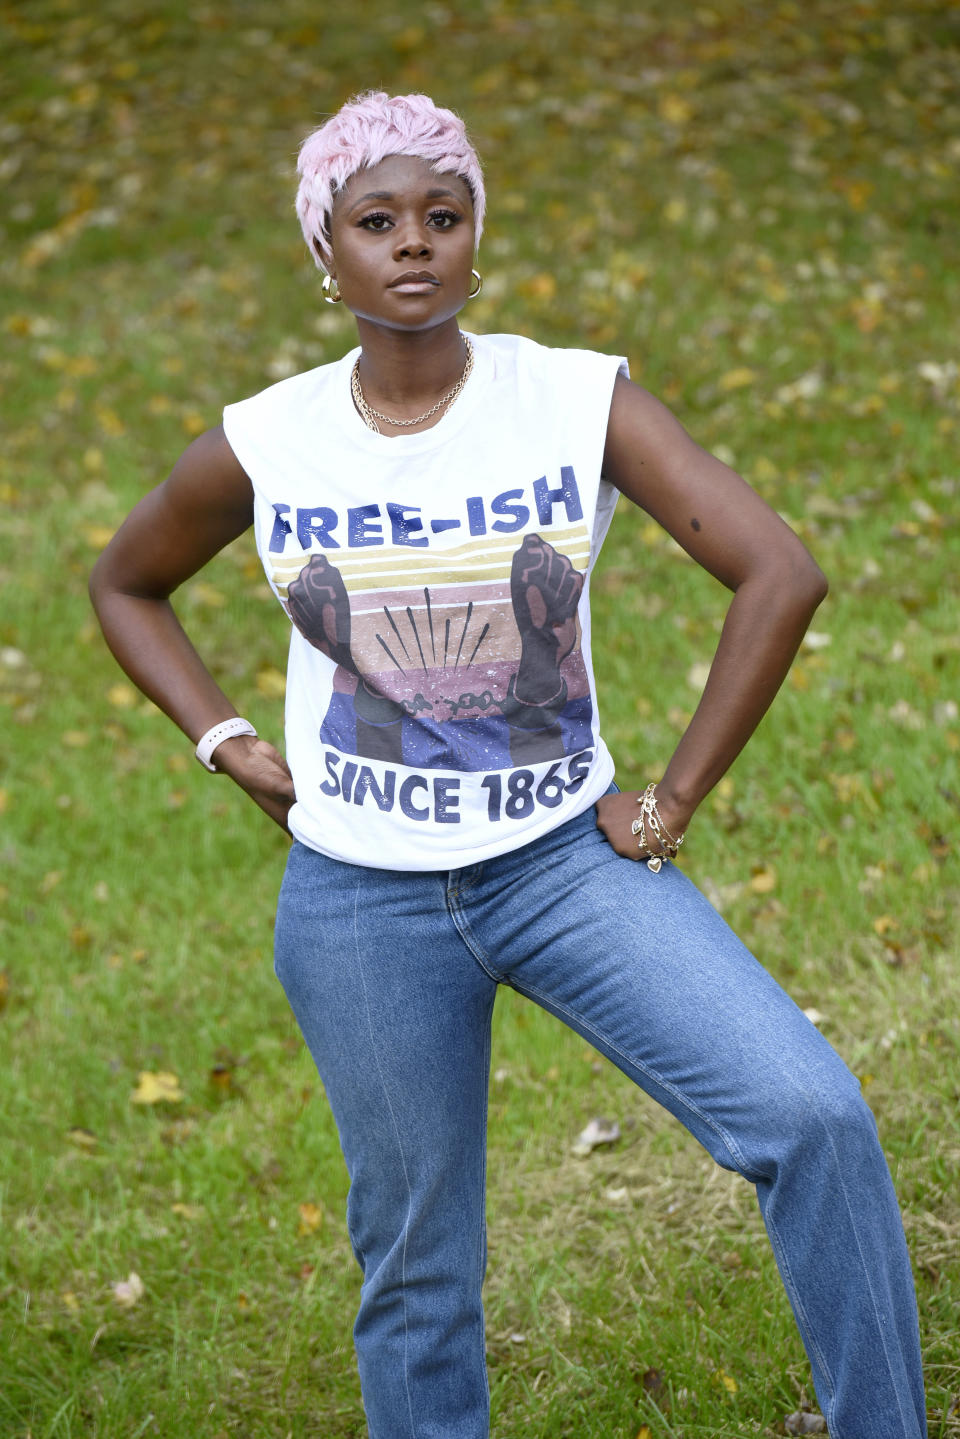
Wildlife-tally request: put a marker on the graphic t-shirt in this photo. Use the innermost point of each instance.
(441, 706)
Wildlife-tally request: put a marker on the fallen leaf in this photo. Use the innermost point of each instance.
(764, 880)
(738, 378)
(726, 1381)
(311, 1218)
(884, 923)
(801, 1423)
(128, 1292)
(271, 682)
(188, 1211)
(159, 1088)
(83, 1139)
(597, 1132)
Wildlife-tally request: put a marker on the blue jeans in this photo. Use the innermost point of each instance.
(392, 978)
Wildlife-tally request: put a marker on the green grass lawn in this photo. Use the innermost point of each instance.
(758, 205)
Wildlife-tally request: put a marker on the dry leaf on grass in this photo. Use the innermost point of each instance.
(311, 1218)
(801, 1423)
(128, 1292)
(159, 1088)
(598, 1131)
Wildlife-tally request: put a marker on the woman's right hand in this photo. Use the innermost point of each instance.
(261, 771)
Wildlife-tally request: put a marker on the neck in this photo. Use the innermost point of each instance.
(403, 372)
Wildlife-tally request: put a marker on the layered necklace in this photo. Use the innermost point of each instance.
(371, 416)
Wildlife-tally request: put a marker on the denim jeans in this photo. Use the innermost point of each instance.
(392, 978)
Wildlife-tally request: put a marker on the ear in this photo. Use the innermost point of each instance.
(322, 258)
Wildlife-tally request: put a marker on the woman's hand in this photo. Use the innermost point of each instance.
(259, 770)
(617, 812)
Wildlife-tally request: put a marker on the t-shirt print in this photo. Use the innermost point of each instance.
(461, 658)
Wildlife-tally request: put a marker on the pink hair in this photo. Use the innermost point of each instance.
(362, 133)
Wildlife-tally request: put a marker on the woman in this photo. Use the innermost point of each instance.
(428, 510)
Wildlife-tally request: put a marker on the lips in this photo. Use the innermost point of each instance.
(414, 277)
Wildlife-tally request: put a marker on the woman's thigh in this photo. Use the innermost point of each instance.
(393, 1006)
(644, 967)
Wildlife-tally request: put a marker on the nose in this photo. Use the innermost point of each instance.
(412, 241)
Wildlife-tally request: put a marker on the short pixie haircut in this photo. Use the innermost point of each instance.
(367, 129)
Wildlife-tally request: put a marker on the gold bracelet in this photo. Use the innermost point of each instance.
(669, 846)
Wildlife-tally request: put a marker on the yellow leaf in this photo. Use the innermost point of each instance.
(194, 423)
(159, 1088)
(674, 109)
(70, 1300)
(207, 594)
(311, 1218)
(271, 682)
(884, 923)
(764, 881)
(97, 536)
(726, 1381)
(188, 1211)
(540, 287)
(675, 211)
(109, 420)
(83, 1139)
(644, 1432)
(122, 697)
(75, 738)
(736, 379)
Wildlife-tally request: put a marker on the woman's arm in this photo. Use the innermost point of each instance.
(725, 526)
(204, 503)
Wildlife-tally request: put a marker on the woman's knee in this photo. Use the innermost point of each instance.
(807, 1118)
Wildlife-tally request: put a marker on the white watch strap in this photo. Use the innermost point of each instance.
(226, 729)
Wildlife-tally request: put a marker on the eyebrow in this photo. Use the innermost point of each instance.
(439, 194)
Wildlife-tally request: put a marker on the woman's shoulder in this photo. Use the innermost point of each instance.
(571, 375)
(548, 360)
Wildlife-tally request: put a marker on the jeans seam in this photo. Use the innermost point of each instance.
(403, 1162)
(455, 910)
(866, 1273)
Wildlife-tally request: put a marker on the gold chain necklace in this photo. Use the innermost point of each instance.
(371, 416)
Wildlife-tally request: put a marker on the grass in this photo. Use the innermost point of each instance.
(757, 206)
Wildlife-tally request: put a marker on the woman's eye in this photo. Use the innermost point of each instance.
(444, 219)
(375, 222)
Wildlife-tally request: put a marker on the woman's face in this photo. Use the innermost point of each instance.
(402, 237)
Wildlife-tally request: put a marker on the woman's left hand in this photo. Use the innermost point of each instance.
(616, 814)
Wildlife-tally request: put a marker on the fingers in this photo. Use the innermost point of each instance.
(615, 816)
(256, 767)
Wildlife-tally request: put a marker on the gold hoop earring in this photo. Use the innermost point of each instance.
(327, 287)
(472, 294)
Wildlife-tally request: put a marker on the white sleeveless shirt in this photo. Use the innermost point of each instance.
(441, 706)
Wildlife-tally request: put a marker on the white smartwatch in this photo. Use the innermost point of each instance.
(226, 729)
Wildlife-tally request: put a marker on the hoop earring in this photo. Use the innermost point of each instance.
(327, 287)
(472, 295)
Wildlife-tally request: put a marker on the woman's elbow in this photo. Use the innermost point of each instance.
(806, 584)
